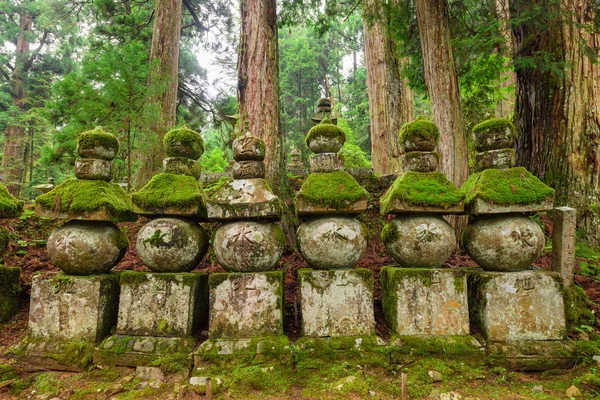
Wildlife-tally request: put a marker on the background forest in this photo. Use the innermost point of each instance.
(68, 66)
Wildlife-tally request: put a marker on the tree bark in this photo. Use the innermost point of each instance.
(390, 98)
(258, 82)
(508, 78)
(442, 86)
(162, 84)
(14, 137)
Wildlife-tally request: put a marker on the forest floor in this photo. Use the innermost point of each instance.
(461, 378)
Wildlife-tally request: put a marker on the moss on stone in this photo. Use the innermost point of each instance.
(97, 138)
(577, 310)
(10, 285)
(496, 125)
(452, 346)
(184, 142)
(389, 296)
(79, 196)
(133, 278)
(327, 130)
(419, 128)
(170, 191)
(4, 240)
(332, 189)
(422, 189)
(506, 187)
(172, 363)
(10, 206)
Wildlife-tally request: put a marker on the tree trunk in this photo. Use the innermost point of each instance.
(442, 86)
(13, 167)
(508, 78)
(258, 82)
(162, 84)
(390, 98)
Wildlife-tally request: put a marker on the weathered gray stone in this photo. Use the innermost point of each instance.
(246, 305)
(563, 242)
(248, 246)
(325, 144)
(247, 147)
(533, 355)
(325, 162)
(497, 159)
(504, 242)
(65, 307)
(87, 247)
(400, 206)
(10, 289)
(164, 304)
(244, 198)
(145, 373)
(296, 166)
(93, 169)
(336, 303)
(257, 349)
(307, 208)
(419, 142)
(482, 207)
(45, 187)
(421, 161)
(425, 302)
(182, 166)
(421, 241)
(248, 170)
(172, 244)
(55, 355)
(331, 242)
(517, 306)
(494, 136)
(98, 152)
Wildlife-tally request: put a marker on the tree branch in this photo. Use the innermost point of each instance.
(36, 52)
(197, 22)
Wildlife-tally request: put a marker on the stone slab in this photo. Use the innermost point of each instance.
(336, 303)
(10, 289)
(244, 198)
(399, 206)
(425, 301)
(61, 355)
(517, 306)
(133, 351)
(162, 304)
(67, 307)
(533, 355)
(245, 305)
(479, 206)
(253, 350)
(100, 214)
(306, 208)
(563, 242)
(402, 349)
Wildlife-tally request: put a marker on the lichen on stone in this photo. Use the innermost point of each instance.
(97, 138)
(497, 125)
(334, 190)
(326, 129)
(79, 196)
(506, 187)
(421, 128)
(184, 142)
(422, 189)
(10, 206)
(170, 191)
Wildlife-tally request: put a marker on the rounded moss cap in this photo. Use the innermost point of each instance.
(325, 137)
(419, 135)
(97, 144)
(248, 148)
(494, 134)
(184, 142)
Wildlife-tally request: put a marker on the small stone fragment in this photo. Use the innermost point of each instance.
(149, 373)
(435, 394)
(573, 391)
(538, 389)
(435, 376)
(141, 386)
(198, 381)
(155, 384)
(114, 389)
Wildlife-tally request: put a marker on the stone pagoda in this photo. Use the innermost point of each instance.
(296, 166)
(416, 293)
(10, 285)
(335, 299)
(324, 110)
(161, 311)
(519, 311)
(72, 310)
(246, 302)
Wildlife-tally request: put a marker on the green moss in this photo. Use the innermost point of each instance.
(389, 296)
(170, 191)
(308, 275)
(172, 363)
(577, 308)
(80, 196)
(216, 187)
(332, 189)
(455, 346)
(4, 239)
(498, 125)
(419, 128)
(97, 138)
(7, 372)
(10, 285)
(422, 189)
(506, 187)
(10, 206)
(184, 142)
(326, 129)
(389, 233)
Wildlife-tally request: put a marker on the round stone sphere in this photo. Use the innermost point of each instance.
(419, 241)
(183, 142)
(331, 242)
(248, 246)
(325, 137)
(87, 247)
(97, 144)
(248, 148)
(172, 244)
(508, 242)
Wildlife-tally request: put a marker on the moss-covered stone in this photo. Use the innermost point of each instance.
(419, 135)
(493, 134)
(10, 206)
(577, 308)
(4, 241)
(429, 189)
(325, 137)
(83, 199)
(171, 194)
(506, 187)
(68, 355)
(184, 142)
(97, 144)
(10, 288)
(334, 190)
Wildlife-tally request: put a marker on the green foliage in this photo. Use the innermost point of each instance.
(332, 189)
(353, 155)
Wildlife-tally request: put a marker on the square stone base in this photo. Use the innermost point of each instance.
(162, 304)
(10, 288)
(245, 305)
(336, 303)
(533, 355)
(133, 351)
(418, 301)
(61, 355)
(517, 306)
